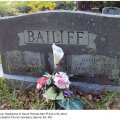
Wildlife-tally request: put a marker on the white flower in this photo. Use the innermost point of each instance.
(57, 54)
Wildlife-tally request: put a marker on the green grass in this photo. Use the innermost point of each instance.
(107, 101)
(19, 99)
(30, 99)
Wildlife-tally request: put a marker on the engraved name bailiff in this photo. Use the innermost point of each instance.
(59, 37)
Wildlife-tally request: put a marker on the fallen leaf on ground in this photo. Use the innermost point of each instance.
(5, 105)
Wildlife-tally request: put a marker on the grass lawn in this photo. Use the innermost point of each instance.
(19, 99)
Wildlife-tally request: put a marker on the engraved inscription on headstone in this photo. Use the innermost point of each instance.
(93, 64)
(59, 37)
(33, 59)
(13, 59)
(19, 60)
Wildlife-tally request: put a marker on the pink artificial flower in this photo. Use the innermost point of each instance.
(41, 83)
(61, 80)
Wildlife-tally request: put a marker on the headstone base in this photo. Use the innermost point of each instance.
(27, 82)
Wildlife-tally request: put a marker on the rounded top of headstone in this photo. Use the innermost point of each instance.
(58, 12)
(111, 10)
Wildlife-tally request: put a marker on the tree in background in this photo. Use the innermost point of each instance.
(17, 7)
(21, 6)
(37, 6)
(8, 8)
(83, 5)
(66, 5)
(87, 5)
(102, 4)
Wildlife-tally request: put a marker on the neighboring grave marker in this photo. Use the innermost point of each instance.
(95, 10)
(111, 10)
(90, 42)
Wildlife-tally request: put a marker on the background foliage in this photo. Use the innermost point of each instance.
(9, 8)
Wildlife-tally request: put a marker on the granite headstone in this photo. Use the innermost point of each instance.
(111, 10)
(90, 42)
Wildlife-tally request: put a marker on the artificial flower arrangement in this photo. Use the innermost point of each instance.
(56, 87)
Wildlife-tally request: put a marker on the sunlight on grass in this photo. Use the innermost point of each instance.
(21, 99)
(107, 101)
